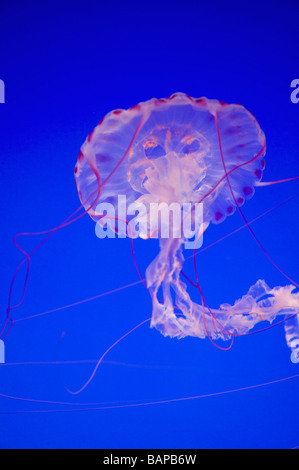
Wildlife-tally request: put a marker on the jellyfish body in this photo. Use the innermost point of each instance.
(184, 150)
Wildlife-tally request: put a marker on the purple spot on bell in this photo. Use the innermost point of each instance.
(247, 191)
(258, 174)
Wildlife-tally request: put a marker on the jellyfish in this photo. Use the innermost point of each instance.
(184, 150)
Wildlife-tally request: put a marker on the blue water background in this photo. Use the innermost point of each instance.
(65, 65)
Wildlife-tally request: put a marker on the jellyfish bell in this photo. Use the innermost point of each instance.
(182, 150)
(175, 154)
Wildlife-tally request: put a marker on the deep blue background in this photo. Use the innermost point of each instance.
(65, 65)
